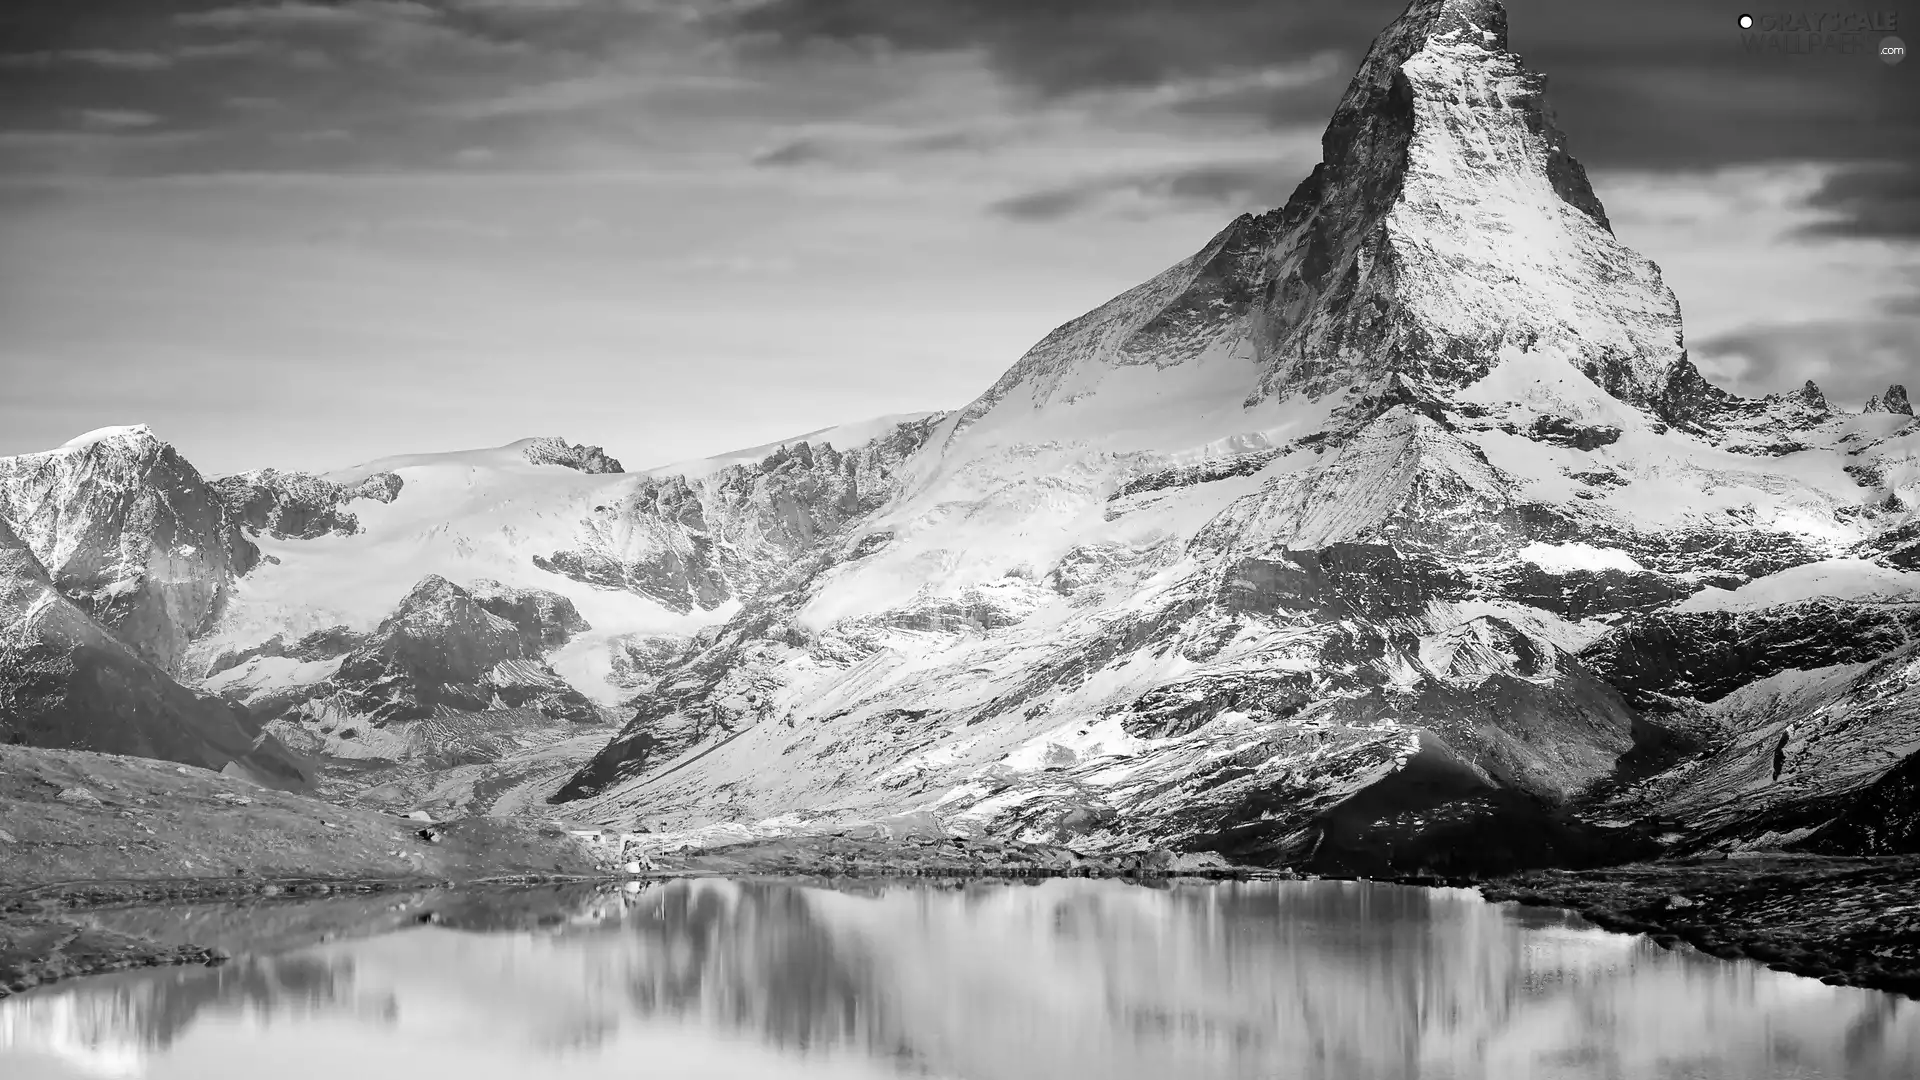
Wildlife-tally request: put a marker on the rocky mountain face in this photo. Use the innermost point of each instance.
(67, 683)
(128, 531)
(1392, 530)
(446, 660)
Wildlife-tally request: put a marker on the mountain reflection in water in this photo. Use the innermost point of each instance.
(987, 981)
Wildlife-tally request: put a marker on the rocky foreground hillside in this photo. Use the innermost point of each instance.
(1392, 531)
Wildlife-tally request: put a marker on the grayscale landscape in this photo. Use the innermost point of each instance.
(1377, 645)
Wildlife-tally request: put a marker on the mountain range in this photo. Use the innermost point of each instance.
(1394, 530)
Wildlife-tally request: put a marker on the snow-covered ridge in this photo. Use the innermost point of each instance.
(840, 436)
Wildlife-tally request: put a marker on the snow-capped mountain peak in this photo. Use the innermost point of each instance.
(117, 431)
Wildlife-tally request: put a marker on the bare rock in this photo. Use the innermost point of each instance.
(1893, 401)
(587, 459)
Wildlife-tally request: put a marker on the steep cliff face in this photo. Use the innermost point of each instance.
(1325, 538)
(129, 532)
(66, 683)
(1446, 221)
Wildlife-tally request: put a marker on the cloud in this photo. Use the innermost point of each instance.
(1848, 359)
(808, 150)
(1234, 185)
(385, 31)
(584, 92)
(118, 118)
(296, 13)
(123, 59)
(1064, 46)
(1638, 84)
(1875, 201)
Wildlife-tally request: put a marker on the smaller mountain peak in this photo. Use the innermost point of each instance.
(552, 450)
(433, 583)
(112, 433)
(1893, 401)
(1810, 396)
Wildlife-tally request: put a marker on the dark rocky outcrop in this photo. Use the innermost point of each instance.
(1882, 819)
(1707, 655)
(1561, 431)
(586, 459)
(1893, 401)
(1342, 580)
(1896, 547)
(318, 645)
(299, 506)
(443, 651)
(546, 620)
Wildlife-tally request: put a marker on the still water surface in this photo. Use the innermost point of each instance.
(988, 981)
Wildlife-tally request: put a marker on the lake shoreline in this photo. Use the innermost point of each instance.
(1843, 921)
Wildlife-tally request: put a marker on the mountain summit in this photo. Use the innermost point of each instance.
(1445, 222)
(1353, 526)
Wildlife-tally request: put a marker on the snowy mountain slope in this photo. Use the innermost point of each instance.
(311, 624)
(1318, 529)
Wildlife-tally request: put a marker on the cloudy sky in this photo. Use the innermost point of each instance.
(306, 234)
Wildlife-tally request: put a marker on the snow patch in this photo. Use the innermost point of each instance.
(1566, 558)
(1838, 579)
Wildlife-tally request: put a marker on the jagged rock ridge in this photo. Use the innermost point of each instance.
(1893, 401)
(555, 451)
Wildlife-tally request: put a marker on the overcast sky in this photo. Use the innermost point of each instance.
(309, 234)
